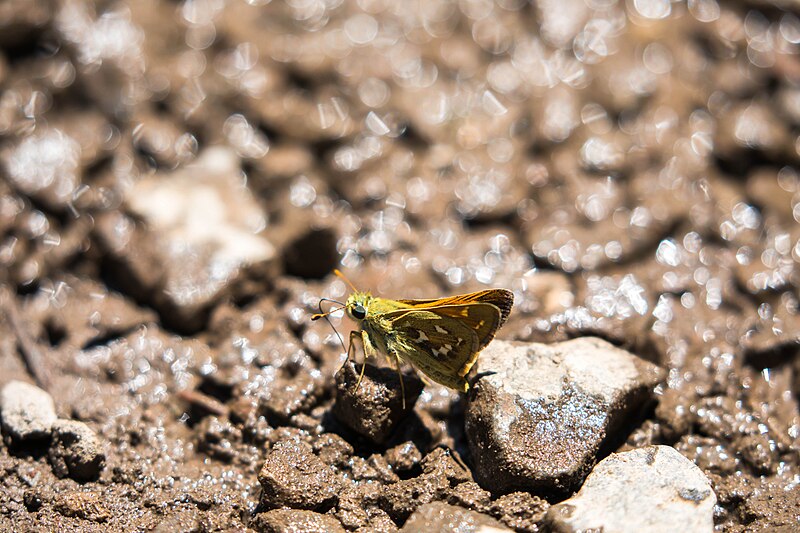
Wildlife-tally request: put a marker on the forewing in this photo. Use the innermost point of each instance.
(503, 299)
(440, 346)
(482, 318)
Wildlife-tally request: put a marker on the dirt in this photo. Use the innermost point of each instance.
(179, 179)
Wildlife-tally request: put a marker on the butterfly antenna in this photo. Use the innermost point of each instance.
(339, 273)
(319, 315)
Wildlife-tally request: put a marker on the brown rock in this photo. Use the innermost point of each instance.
(295, 521)
(374, 408)
(708, 453)
(217, 438)
(759, 451)
(403, 457)
(293, 476)
(520, 510)
(439, 516)
(442, 471)
(85, 505)
(75, 451)
(333, 449)
(470, 495)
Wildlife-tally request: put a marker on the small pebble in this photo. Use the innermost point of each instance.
(84, 505)
(75, 451)
(28, 412)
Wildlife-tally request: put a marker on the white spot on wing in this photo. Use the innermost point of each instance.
(444, 350)
(441, 330)
(422, 337)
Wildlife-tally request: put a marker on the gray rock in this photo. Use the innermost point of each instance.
(75, 451)
(292, 476)
(439, 516)
(295, 521)
(28, 412)
(539, 414)
(202, 239)
(650, 489)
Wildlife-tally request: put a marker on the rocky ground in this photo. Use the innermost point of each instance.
(178, 180)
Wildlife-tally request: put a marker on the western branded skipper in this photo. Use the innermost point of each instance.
(441, 338)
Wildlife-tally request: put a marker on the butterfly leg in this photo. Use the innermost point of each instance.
(351, 346)
(397, 364)
(369, 350)
(358, 335)
(425, 380)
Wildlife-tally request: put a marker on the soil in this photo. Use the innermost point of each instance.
(628, 169)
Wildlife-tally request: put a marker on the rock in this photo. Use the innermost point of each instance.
(375, 407)
(357, 509)
(293, 476)
(202, 239)
(185, 520)
(442, 471)
(539, 414)
(84, 505)
(295, 521)
(709, 454)
(647, 489)
(759, 451)
(403, 457)
(28, 412)
(438, 516)
(521, 511)
(294, 390)
(333, 449)
(45, 165)
(470, 495)
(75, 451)
(217, 438)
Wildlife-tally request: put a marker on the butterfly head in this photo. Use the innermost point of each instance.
(357, 305)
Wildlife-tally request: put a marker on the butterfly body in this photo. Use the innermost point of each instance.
(440, 337)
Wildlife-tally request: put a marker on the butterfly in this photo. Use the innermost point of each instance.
(440, 337)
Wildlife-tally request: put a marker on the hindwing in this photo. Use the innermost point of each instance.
(444, 341)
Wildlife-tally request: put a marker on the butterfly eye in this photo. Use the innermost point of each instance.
(359, 312)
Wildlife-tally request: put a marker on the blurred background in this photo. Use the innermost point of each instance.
(199, 167)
